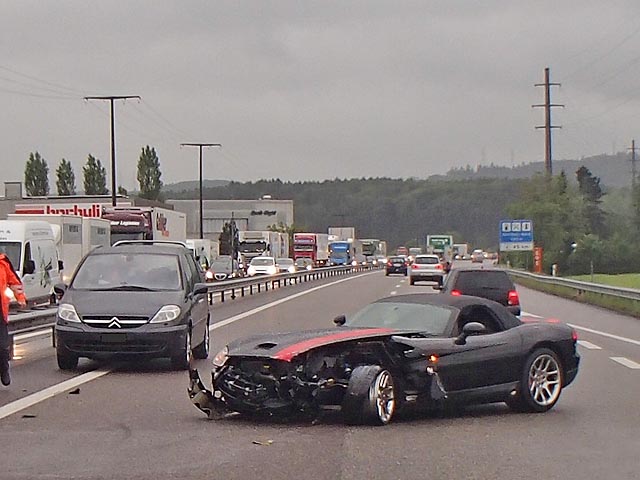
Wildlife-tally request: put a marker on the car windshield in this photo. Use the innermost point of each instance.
(432, 319)
(126, 270)
(262, 262)
(285, 262)
(221, 265)
(12, 250)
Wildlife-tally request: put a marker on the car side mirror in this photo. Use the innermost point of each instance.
(340, 320)
(200, 289)
(60, 265)
(29, 267)
(59, 289)
(437, 287)
(471, 328)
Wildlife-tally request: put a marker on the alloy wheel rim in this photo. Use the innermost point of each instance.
(544, 380)
(188, 347)
(384, 396)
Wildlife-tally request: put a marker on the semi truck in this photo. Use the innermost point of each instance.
(146, 223)
(262, 243)
(460, 251)
(314, 246)
(345, 252)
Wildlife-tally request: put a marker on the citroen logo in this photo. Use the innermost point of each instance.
(114, 323)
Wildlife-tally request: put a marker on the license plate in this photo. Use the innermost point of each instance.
(114, 338)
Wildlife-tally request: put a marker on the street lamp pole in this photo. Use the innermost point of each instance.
(200, 147)
(111, 98)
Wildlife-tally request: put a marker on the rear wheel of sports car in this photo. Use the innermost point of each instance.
(541, 383)
(202, 351)
(370, 396)
(182, 357)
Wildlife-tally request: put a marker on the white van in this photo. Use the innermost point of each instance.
(31, 247)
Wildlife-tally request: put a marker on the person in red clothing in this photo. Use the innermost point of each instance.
(8, 279)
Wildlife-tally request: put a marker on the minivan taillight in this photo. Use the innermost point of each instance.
(512, 298)
(456, 293)
(439, 266)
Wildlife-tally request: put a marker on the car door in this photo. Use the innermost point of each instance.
(484, 360)
(198, 303)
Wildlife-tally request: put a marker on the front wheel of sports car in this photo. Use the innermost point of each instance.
(541, 383)
(370, 396)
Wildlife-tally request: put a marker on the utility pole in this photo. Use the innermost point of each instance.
(111, 98)
(547, 119)
(201, 146)
(633, 163)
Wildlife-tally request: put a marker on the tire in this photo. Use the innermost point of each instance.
(411, 281)
(181, 359)
(66, 360)
(540, 384)
(370, 396)
(202, 351)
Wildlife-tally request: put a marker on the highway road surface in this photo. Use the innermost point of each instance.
(135, 421)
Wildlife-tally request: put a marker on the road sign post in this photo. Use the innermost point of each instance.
(516, 235)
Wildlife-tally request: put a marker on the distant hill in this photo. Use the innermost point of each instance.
(613, 170)
(190, 185)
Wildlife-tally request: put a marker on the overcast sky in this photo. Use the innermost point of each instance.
(311, 90)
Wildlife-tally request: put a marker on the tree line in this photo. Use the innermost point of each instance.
(36, 176)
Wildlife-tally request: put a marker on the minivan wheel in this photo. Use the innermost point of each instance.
(182, 357)
(202, 351)
(66, 360)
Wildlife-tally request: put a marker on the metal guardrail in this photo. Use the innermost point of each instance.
(580, 286)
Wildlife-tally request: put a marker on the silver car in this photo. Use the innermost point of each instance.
(426, 268)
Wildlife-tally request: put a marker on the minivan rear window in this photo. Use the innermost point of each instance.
(426, 260)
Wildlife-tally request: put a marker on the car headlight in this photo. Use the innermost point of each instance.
(166, 314)
(292, 269)
(221, 357)
(68, 313)
(354, 263)
(272, 270)
(309, 267)
(209, 275)
(251, 270)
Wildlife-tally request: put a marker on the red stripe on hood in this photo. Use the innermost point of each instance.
(291, 351)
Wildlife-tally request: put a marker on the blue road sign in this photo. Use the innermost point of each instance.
(516, 235)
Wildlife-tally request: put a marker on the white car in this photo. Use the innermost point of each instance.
(262, 266)
(286, 265)
(426, 268)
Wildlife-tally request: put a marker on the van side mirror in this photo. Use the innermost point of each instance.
(340, 320)
(59, 289)
(200, 289)
(29, 267)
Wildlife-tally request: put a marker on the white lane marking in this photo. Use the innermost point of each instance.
(398, 286)
(626, 362)
(588, 345)
(248, 313)
(393, 292)
(605, 334)
(31, 400)
(532, 315)
(34, 398)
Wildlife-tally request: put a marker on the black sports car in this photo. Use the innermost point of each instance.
(398, 352)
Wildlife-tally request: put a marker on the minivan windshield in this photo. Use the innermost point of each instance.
(262, 261)
(122, 271)
(12, 250)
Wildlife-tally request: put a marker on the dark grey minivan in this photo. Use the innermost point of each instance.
(134, 300)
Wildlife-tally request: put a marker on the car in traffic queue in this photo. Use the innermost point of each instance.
(396, 264)
(262, 266)
(303, 263)
(286, 265)
(223, 268)
(135, 299)
(477, 256)
(401, 352)
(426, 267)
(491, 283)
